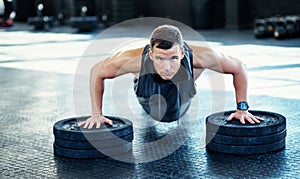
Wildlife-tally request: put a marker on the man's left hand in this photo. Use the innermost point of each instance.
(245, 116)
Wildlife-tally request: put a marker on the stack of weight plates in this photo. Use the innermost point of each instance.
(238, 139)
(108, 141)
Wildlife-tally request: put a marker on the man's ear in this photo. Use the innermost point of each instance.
(182, 53)
(150, 53)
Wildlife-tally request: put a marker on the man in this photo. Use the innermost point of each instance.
(165, 72)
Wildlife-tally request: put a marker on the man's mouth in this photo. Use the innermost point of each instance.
(167, 74)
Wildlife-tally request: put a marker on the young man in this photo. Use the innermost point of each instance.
(165, 72)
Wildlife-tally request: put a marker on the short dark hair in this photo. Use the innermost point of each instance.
(165, 37)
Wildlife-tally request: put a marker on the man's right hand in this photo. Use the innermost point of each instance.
(95, 120)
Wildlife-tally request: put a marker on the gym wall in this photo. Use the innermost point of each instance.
(200, 14)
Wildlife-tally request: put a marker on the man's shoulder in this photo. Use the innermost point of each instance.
(134, 51)
(187, 47)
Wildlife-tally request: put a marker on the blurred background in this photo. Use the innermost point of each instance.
(199, 14)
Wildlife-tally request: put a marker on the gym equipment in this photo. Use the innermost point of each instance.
(73, 141)
(83, 22)
(238, 139)
(264, 27)
(41, 22)
(277, 27)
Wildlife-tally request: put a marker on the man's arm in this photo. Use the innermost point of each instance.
(112, 67)
(206, 58)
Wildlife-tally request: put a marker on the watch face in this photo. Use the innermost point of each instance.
(243, 106)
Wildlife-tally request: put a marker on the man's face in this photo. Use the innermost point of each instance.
(166, 61)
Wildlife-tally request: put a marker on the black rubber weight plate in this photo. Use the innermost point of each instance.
(68, 129)
(247, 150)
(89, 154)
(273, 123)
(235, 140)
(96, 144)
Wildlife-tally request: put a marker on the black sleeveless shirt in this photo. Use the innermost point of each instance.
(162, 99)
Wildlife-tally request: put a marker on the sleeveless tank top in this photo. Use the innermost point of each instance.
(162, 99)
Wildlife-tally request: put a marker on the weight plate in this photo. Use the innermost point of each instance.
(246, 150)
(68, 129)
(96, 144)
(89, 154)
(235, 140)
(273, 123)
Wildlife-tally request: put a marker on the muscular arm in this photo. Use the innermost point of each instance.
(206, 58)
(112, 67)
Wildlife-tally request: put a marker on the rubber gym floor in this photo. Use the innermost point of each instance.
(39, 86)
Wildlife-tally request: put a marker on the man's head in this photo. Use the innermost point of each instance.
(166, 50)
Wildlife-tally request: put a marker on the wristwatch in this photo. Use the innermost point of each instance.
(242, 106)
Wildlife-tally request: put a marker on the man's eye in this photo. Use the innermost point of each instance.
(159, 59)
(174, 59)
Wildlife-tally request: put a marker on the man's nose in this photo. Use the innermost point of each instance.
(167, 65)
